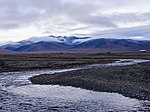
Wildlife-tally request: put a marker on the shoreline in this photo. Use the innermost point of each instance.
(37, 61)
(130, 80)
(63, 65)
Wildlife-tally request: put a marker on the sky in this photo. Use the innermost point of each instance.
(22, 19)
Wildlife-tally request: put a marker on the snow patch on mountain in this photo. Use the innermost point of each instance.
(16, 44)
(60, 39)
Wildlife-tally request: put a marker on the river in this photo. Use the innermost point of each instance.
(17, 94)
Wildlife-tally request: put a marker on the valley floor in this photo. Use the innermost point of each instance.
(32, 61)
(132, 80)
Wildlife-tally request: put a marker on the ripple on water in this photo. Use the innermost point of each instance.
(17, 94)
(85, 99)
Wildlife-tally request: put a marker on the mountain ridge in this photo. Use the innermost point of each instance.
(4, 51)
(64, 43)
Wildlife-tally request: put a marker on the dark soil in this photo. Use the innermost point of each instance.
(131, 81)
(32, 61)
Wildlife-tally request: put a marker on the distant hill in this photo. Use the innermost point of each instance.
(14, 45)
(63, 43)
(114, 45)
(43, 46)
(3, 51)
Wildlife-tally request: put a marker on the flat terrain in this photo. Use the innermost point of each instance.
(30, 61)
(132, 80)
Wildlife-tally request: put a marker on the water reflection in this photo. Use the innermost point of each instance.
(17, 94)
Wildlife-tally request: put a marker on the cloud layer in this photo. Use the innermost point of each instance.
(20, 18)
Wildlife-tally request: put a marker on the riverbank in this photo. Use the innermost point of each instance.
(36, 61)
(131, 81)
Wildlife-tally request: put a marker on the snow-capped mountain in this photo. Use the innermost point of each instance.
(72, 40)
(61, 43)
(15, 45)
(60, 39)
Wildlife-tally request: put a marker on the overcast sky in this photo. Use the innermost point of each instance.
(21, 19)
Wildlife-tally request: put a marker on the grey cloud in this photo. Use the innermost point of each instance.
(26, 12)
(142, 31)
(80, 28)
(6, 26)
(21, 13)
(98, 20)
(131, 17)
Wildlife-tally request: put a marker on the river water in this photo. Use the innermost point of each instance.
(17, 94)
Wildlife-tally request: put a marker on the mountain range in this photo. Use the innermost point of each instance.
(73, 43)
(3, 51)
